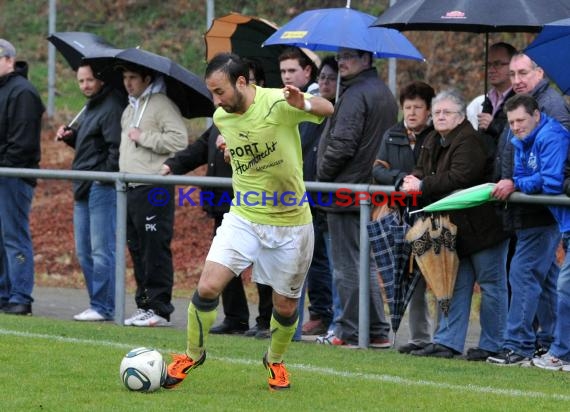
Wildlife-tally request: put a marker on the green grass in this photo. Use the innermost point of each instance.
(53, 365)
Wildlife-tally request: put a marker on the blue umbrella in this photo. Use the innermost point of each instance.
(335, 28)
(551, 52)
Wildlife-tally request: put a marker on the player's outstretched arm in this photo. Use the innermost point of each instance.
(315, 105)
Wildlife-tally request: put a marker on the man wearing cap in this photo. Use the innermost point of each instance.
(21, 112)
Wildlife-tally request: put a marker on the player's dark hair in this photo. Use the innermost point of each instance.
(230, 64)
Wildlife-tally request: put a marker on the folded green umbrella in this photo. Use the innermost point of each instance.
(462, 199)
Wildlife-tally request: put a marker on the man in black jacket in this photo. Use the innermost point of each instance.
(96, 139)
(347, 149)
(21, 111)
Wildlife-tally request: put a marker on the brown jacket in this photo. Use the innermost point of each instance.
(458, 162)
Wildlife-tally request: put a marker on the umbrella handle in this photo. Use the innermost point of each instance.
(72, 122)
(140, 114)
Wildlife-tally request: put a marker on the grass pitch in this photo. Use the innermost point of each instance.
(55, 365)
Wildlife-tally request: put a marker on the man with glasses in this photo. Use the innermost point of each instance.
(346, 153)
(528, 77)
(492, 121)
(455, 157)
(530, 222)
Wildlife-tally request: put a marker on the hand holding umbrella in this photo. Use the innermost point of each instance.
(503, 189)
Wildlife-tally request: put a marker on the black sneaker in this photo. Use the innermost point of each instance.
(540, 351)
(17, 309)
(478, 354)
(435, 350)
(258, 332)
(508, 357)
(409, 347)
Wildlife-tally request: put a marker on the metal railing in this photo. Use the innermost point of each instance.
(122, 179)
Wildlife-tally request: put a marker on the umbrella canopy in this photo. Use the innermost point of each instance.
(433, 241)
(481, 16)
(335, 28)
(243, 35)
(462, 199)
(392, 255)
(551, 52)
(76, 45)
(184, 88)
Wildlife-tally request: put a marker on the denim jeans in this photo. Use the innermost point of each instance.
(94, 222)
(546, 311)
(16, 249)
(488, 268)
(561, 345)
(344, 230)
(530, 270)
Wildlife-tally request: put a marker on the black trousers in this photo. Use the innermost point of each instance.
(149, 233)
(234, 300)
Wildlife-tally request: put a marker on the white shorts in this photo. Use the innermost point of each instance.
(281, 255)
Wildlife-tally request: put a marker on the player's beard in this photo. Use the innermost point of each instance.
(238, 104)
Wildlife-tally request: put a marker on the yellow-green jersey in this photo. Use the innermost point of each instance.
(266, 159)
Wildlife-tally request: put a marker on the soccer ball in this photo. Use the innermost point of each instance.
(143, 370)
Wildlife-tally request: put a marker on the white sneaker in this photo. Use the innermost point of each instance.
(151, 319)
(550, 362)
(325, 339)
(89, 315)
(139, 313)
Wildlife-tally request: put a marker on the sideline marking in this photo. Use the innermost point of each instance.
(318, 370)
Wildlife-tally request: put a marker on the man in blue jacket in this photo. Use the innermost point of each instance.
(540, 149)
(21, 111)
(527, 77)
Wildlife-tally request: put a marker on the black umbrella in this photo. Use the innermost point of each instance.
(475, 16)
(77, 45)
(183, 87)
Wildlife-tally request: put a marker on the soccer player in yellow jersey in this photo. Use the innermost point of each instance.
(268, 225)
